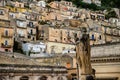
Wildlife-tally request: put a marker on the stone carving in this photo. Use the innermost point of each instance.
(83, 56)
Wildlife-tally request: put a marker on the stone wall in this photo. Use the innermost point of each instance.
(38, 77)
(107, 50)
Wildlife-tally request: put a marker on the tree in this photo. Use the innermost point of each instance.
(111, 3)
(111, 14)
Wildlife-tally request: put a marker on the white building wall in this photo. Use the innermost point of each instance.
(33, 47)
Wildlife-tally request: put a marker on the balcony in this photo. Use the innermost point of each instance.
(92, 39)
(21, 36)
(111, 34)
(4, 23)
(31, 26)
(6, 36)
(31, 34)
(22, 27)
(5, 46)
(41, 37)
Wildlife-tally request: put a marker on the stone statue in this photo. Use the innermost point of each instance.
(83, 56)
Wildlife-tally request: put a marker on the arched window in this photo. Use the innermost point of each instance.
(24, 78)
(60, 78)
(43, 78)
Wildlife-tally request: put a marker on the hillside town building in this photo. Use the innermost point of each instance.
(46, 34)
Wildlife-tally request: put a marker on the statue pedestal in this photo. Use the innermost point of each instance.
(86, 77)
(83, 77)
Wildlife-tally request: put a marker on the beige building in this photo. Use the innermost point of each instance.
(6, 36)
(97, 16)
(57, 39)
(58, 48)
(4, 13)
(63, 10)
(17, 4)
(21, 30)
(105, 60)
(31, 30)
(16, 66)
(65, 35)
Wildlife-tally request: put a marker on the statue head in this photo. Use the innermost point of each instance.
(83, 36)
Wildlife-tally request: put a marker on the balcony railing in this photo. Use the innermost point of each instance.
(92, 39)
(6, 36)
(33, 34)
(6, 46)
(4, 24)
(41, 37)
(22, 27)
(21, 36)
(111, 34)
(33, 26)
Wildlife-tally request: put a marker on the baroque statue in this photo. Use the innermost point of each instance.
(83, 56)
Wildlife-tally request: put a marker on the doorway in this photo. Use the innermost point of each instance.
(43, 78)
(24, 78)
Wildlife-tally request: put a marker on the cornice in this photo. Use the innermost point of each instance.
(105, 59)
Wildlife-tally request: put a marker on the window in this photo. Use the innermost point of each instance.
(6, 32)
(68, 33)
(93, 17)
(6, 42)
(52, 49)
(97, 28)
(100, 37)
(15, 9)
(31, 24)
(74, 78)
(41, 33)
(29, 36)
(1, 12)
(20, 5)
(43, 78)
(24, 78)
(56, 18)
(55, 40)
(33, 38)
(75, 35)
(93, 37)
(31, 31)
(6, 50)
(26, 17)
